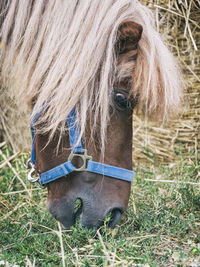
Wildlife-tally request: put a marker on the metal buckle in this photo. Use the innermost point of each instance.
(85, 157)
(31, 175)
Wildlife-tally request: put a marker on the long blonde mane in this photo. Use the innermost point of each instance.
(63, 52)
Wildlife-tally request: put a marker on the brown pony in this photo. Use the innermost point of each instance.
(103, 57)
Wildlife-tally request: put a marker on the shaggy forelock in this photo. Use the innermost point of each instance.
(63, 53)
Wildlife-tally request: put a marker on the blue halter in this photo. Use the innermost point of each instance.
(76, 151)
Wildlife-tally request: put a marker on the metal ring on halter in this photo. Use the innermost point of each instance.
(85, 157)
(31, 175)
(28, 164)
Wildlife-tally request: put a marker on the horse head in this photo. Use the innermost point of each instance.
(98, 194)
(101, 58)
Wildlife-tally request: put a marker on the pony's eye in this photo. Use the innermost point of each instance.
(121, 101)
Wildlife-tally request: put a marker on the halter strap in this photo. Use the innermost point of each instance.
(76, 151)
(74, 133)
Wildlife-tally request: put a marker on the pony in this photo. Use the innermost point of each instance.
(102, 57)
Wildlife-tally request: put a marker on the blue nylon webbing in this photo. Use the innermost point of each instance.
(33, 157)
(33, 122)
(111, 171)
(92, 166)
(57, 172)
(74, 132)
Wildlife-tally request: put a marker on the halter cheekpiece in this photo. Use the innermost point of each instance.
(76, 151)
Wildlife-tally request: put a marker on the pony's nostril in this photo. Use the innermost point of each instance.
(113, 217)
(78, 207)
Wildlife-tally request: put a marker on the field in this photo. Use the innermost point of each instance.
(160, 227)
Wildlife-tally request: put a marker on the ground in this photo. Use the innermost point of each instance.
(160, 228)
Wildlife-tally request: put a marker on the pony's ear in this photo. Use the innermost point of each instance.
(128, 36)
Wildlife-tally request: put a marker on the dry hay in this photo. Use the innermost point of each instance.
(14, 122)
(179, 22)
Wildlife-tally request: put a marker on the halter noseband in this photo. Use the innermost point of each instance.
(76, 151)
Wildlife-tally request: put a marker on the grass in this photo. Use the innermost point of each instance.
(160, 228)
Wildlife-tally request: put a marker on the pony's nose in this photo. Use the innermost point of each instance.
(114, 216)
(111, 219)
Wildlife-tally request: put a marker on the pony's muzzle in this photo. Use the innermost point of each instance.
(110, 220)
(88, 215)
(91, 218)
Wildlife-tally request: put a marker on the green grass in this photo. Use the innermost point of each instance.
(160, 228)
